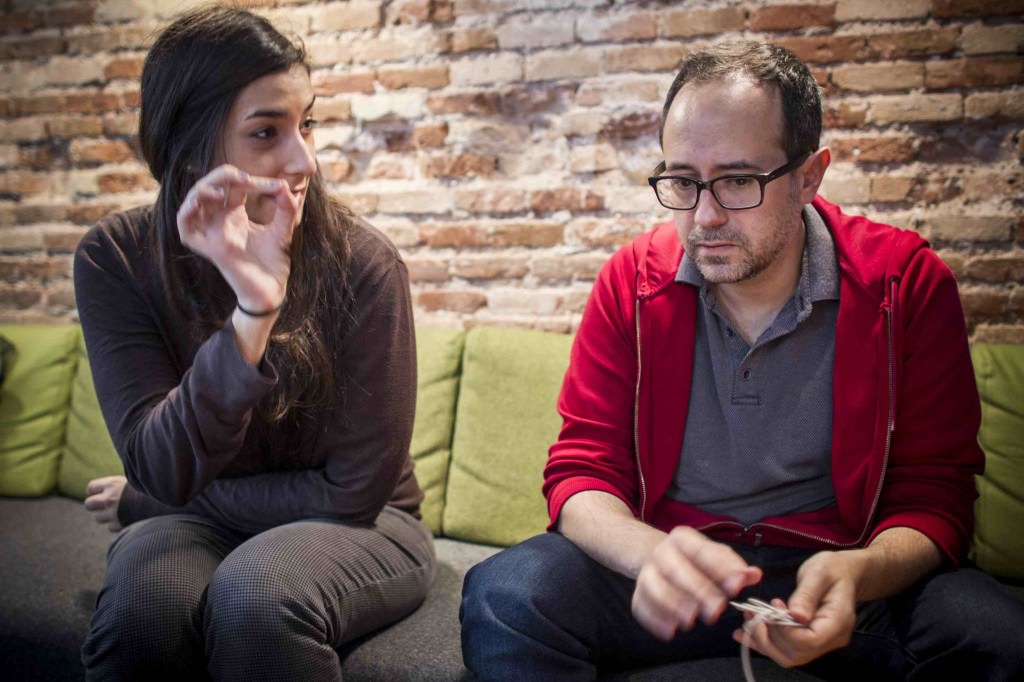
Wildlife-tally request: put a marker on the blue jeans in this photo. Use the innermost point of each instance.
(545, 610)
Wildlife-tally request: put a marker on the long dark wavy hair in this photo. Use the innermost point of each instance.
(192, 75)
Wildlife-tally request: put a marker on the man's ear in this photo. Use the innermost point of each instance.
(812, 172)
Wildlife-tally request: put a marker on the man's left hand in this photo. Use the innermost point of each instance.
(824, 600)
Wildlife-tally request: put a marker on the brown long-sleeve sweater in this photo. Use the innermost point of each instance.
(182, 414)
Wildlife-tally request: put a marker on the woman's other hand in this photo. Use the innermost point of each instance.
(104, 495)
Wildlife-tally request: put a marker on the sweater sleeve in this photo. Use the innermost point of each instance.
(363, 439)
(174, 431)
(594, 450)
(935, 453)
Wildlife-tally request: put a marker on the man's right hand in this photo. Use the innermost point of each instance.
(688, 576)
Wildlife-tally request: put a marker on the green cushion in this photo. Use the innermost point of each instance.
(438, 356)
(34, 406)
(88, 452)
(999, 511)
(505, 422)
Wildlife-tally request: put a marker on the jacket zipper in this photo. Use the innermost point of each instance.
(887, 307)
(636, 417)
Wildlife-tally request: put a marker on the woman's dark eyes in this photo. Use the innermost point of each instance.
(308, 124)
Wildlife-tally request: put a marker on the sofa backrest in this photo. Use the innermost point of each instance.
(485, 417)
(999, 511)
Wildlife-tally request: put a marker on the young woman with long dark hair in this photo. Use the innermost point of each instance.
(252, 346)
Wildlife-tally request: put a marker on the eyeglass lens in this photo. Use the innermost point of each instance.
(731, 192)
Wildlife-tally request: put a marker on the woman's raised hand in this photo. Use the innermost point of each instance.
(243, 224)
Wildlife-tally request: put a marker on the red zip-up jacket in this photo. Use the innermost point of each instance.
(905, 405)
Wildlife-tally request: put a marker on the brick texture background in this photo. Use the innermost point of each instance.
(504, 144)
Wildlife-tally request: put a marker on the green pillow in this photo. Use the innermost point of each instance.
(438, 356)
(999, 511)
(34, 406)
(88, 452)
(505, 422)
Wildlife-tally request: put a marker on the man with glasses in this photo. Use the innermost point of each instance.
(767, 398)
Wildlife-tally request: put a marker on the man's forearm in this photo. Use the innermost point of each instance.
(603, 526)
(894, 561)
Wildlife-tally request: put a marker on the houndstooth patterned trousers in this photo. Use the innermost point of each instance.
(184, 598)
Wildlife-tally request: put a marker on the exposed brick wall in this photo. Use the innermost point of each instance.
(504, 144)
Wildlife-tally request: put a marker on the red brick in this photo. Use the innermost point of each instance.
(535, 98)
(998, 268)
(327, 83)
(347, 16)
(74, 125)
(335, 170)
(132, 98)
(617, 27)
(789, 17)
(31, 47)
(442, 11)
(25, 214)
(974, 72)
(474, 38)
(77, 13)
(95, 152)
(89, 214)
(984, 303)
(663, 57)
(998, 333)
(459, 165)
(982, 186)
(123, 68)
(120, 125)
(38, 104)
(490, 266)
(19, 269)
(686, 23)
(632, 125)
(62, 241)
(565, 199)
(429, 135)
(879, 77)
(333, 109)
(913, 43)
(125, 182)
(492, 200)
(433, 76)
(20, 297)
(872, 149)
(62, 296)
(390, 167)
(36, 156)
(605, 232)
(826, 49)
(23, 21)
(456, 301)
(499, 233)
(427, 269)
(93, 102)
(584, 266)
(410, 12)
(974, 8)
(482, 103)
(22, 182)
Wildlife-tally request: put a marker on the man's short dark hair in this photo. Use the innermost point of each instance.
(769, 65)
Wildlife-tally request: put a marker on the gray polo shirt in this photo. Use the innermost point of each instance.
(759, 428)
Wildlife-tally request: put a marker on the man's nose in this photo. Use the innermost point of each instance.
(708, 212)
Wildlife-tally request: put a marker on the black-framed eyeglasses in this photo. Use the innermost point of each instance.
(732, 192)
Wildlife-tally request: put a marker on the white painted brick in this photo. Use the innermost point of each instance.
(497, 68)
